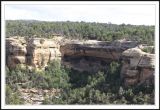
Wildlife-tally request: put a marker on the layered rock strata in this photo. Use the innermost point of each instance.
(36, 52)
(15, 51)
(41, 51)
(138, 66)
(93, 55)
(90, 55)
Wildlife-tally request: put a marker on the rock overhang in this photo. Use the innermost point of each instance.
(37, 52)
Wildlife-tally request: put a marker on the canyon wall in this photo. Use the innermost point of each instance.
(90, 55)
(138, 66)
(93, 55)
(35, 52)
(16, 51)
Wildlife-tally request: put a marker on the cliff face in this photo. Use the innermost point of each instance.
(138, 66)
(35, 52)
(41, 51)
(15, 51)
(91, 55)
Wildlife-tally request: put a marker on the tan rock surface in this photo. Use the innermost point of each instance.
(36, 96)
(36, 52)
(142, 62)
(89, 55)
(15, 51)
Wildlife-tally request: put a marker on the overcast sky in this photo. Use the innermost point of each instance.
(117, 14)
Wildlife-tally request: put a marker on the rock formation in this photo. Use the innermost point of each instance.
(138, 66)
(90, 55)
(37, 96)
(36, 52)
(15, 51)
(41, 51)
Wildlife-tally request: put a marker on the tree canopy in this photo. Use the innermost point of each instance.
(80, 30)
(77, 87)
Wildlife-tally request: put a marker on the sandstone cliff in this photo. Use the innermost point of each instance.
(36, 52)
(15, 51)
(138, 66)
(90, 55)
(93, 55)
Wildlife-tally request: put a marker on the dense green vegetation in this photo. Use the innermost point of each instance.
(81, 30)
(149, 50)
(77, 87)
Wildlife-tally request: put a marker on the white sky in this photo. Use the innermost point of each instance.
(117, 14)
